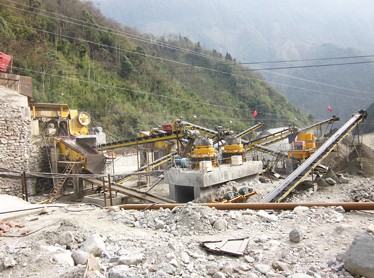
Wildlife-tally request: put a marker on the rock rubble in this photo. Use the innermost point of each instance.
(304, 242)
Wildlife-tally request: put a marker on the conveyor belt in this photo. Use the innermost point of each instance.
(142, 140)
(198, 127)
(285, 133)
(270, 151)
(79, 147)
(249, 145)
(249, 130)
(295, 178)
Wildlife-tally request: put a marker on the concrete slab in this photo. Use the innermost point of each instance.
(186, 184)
(12, 207)
(117, 199)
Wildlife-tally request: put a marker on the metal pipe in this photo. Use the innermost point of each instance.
(254, 206)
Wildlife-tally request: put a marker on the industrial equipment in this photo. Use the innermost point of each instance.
(233, 144)
(303, 146)
(203, 151)
(296, 177)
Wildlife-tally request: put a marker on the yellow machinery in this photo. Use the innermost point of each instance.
(234, 145)
(58, 116)
(303, 147)
(203, 151)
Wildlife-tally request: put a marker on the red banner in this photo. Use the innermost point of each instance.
(4, 61)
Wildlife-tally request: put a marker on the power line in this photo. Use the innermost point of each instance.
(307, 60)
(114, 31)
(309, 66)
(319, 83)
(182, 63)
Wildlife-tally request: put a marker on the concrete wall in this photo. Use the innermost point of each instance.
(15, 138)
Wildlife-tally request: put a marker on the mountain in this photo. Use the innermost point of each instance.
(269, 30)
(129, 81)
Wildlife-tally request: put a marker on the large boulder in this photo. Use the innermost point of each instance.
(94, 245)
(360, 256)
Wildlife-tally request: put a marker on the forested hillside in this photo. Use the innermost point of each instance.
(264, 33)
(131, 82)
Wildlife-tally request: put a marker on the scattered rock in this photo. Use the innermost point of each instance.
(9, 262)
(360, 256)
(132, 259)
(63, 258)
(262, 268)
(266, 216)
(296, 235)
(94, 245)
(220, 224)
(281, 266)
(67, 238)
(80, 257)
(330, 181)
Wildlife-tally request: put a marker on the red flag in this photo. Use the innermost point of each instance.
(4, 61)
(329, 108)
(254, 114)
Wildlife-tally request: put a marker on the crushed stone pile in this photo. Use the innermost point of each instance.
(304, 242)
(363, 192)
(353, 160)
(191, 219)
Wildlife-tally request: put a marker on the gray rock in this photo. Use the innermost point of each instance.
(133, 259)
(300, 275)
(296, 235)
(67, 238)
(212, 268)
(360, 256)
(63, 258)
(266, 216)
(9, 262)
(228, 269)
(263, 268)
(120, 271)
(94, 245)
(174, 262)
(219, 275)
(95, 274)
(342, 179)
(220, 224)
(330, 181)
(80, 257)
(249, 259)
(299, 210)
(185, 257)
(281, 266)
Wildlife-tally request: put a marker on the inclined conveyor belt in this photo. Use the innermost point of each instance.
(198, 127)
(295, 178)
(270, 151)
(142, 140)
(249, 130)
(249, 145)
(79, 147)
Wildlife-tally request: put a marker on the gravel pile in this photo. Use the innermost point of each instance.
(304, 242)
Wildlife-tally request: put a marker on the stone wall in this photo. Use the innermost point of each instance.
(15, 140)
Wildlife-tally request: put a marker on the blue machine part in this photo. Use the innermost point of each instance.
(182, 162)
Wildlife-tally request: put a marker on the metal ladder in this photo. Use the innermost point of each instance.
(56, 189)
